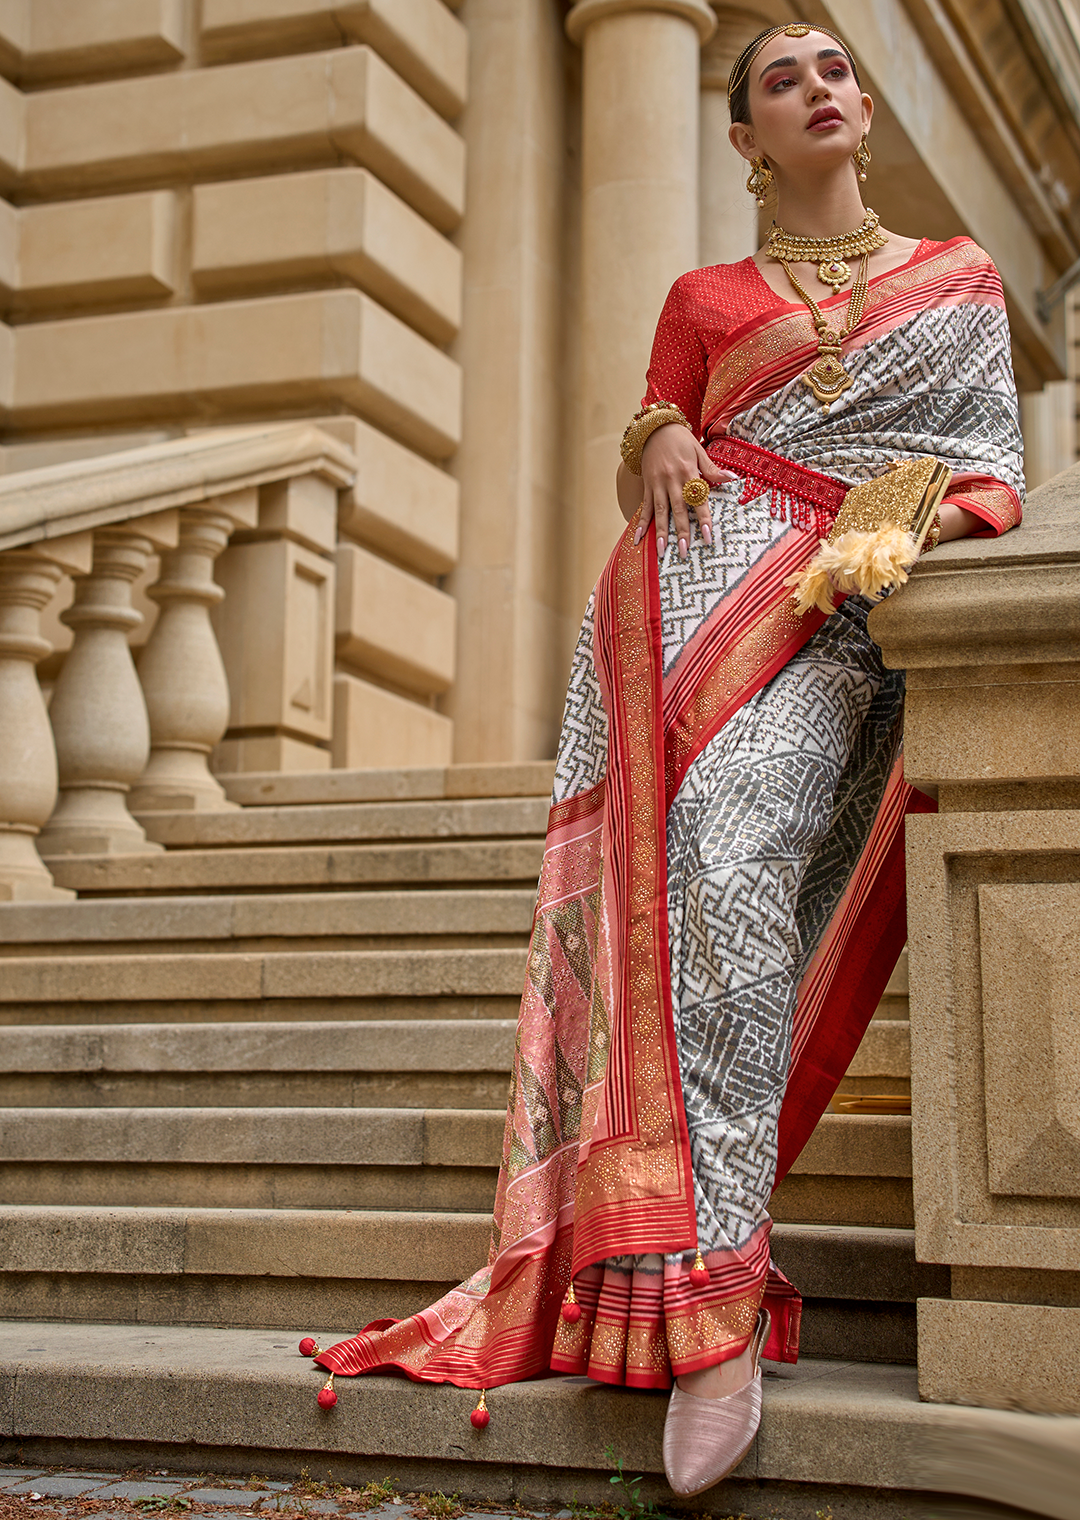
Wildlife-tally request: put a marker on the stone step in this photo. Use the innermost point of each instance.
(421, 1063)
(531, 778)
(252, 1157)
(77, 979)
(495, 918)
(260, 827)
(833, 1434)
(495, 862)
(211, 1266)
(346, 1063)
(365, 1158)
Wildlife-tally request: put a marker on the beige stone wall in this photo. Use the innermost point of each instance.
(238, 211)
(445, 230)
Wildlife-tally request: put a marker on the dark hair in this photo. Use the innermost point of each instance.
(739, 100)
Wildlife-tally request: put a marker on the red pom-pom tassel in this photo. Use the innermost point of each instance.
(327, 1398)
(571, 1309)
(308, 1347)
(699, 1273)
(481, 1415)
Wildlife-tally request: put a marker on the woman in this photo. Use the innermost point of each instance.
(722, 896)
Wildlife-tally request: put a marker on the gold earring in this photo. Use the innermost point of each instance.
(760, 179)
(860, 158)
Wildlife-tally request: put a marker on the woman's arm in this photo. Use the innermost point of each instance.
(957, 522)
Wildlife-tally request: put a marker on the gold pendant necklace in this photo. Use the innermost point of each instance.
(829, 254)
(827, 377)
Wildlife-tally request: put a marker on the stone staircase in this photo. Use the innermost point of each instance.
(254, 1082)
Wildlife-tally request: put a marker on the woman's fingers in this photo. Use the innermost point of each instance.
(660, 512)
(680, 520)
(644, 517)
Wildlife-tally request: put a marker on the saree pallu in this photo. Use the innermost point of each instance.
(597, 1159)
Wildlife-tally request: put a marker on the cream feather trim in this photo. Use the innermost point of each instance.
(858, 562)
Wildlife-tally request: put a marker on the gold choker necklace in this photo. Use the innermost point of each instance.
(829, 254)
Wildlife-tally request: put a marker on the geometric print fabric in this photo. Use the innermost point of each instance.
(753, 811)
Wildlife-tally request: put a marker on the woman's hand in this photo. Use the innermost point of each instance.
(670, 458)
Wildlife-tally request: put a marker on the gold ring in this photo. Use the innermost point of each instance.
(695, 493)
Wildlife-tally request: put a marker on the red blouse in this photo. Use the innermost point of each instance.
(705, 305)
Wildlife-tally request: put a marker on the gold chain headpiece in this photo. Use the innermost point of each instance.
(741, 67)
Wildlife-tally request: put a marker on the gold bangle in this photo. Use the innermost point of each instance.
(695, 492)
(641, 427)
(933, 535)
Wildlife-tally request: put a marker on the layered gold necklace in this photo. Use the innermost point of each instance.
(827, 377)
(829, 254)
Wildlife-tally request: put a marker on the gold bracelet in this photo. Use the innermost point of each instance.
(642, 426)
(933, 535)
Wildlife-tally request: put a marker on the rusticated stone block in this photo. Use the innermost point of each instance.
(400, 503)
(325, 106)
(376, 727)
(330, 222)
(393, 625)
(419, 38)
(62, 39)
(329, 346)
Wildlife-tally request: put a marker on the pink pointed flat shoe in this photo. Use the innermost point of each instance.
(705, 1439)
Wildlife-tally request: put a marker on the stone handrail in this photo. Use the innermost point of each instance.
(113, 734)
(92, 493)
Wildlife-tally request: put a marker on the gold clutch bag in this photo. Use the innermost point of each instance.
(877, 536)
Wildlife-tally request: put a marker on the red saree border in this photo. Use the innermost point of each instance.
(733, 663)
(764, 353)
(850, 970)
(635, 1189)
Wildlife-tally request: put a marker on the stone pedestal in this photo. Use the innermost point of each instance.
(275, 629)
(989, 631)
(639, 224)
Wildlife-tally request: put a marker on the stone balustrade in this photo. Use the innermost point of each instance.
(989, 632)
(117, 735)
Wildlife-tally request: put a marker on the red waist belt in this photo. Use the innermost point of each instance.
(810, 500)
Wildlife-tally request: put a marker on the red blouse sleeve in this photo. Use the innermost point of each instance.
(994, 502)
(678, 369)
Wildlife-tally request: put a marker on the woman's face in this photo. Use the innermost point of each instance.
(806, 108)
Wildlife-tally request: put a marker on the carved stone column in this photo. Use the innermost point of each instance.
(639, 228)
(729, 213)
(98, 713)
(181, 669)
(28, 778)
(989, 632)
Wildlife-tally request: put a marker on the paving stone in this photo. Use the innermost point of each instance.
(60, 1485)
(140, 1490)
(244, 1498)
(10, 1475)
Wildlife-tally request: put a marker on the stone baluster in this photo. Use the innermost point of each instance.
(639, 223)
(98, 713)
(181, 669)
(28, 775)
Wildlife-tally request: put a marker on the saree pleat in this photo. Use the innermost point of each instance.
(598, 1182)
